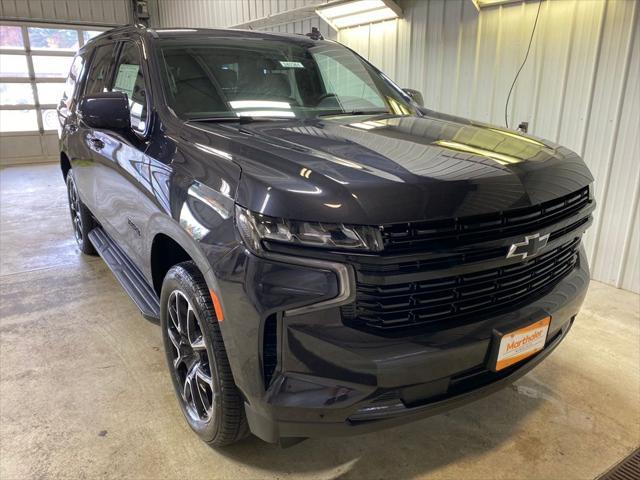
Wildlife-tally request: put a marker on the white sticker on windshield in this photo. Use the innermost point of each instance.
(291, 64)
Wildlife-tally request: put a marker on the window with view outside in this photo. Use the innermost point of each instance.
(50, 93)
(11, 37)
(53, 39)
(89, 34)
(16, 94)
(51, 66)
(271, 78)
(51, 50)
(13, 66)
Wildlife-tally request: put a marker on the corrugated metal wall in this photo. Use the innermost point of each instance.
(579, 88)
(220, 13)
(305, 26)
(94, 12)
(226, 13)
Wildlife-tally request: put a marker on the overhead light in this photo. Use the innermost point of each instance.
(261, 108)
(500, 158)
(349, 13)
(238, 104)
(266, 113)
(492, 3)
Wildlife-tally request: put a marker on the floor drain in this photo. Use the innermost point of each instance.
(627, 469)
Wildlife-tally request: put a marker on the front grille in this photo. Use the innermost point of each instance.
(397, 306)
(421, 236)
(453, 259)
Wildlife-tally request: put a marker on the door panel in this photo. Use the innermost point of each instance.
(120, 161)
(85, 169)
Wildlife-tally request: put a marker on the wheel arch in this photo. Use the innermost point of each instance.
(65, 164)
(169, 245)
(165, 253)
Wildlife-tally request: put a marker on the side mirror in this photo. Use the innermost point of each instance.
(106, 110)
(415, 95)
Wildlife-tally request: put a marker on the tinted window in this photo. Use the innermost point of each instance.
(129, 78)
(347, 80)
(98, 77)
(275, 78)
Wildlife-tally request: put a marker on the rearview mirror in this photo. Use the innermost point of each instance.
(108, 110)
(415, 95)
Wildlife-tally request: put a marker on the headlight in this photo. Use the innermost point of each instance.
(255, 227)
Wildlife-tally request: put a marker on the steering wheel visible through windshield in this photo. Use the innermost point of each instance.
(230, 77)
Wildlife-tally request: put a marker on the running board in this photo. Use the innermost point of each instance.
(127, 274)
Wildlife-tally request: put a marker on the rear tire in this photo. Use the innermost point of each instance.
(197, 359)
(81, 219)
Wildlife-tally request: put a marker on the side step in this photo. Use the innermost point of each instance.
(127, 274)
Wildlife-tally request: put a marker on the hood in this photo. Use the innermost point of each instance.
(378, 170)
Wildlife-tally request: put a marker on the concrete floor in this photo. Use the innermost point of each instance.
(84, 390)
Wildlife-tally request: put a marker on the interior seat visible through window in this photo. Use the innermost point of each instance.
(192, 87)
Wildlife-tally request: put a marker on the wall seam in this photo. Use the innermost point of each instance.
(628, 235)
(441, 58)
(496, 62)
(474, 90)
(567, 68)
(458, 59)
(592, 86)
(538, 79)
(523, 40)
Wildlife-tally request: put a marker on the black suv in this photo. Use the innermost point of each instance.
(325, 256)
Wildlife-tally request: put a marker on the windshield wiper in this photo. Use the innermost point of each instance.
(213, 119)
(242, 119)
(353, 113)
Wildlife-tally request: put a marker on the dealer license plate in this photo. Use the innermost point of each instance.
(522, 343)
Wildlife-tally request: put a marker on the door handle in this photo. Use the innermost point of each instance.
(97, 143)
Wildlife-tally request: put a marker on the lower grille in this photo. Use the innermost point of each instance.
(405, 305)
(269, 349)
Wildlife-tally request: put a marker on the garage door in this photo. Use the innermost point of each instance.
(34, 63)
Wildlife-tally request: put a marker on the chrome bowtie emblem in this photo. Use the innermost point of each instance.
(532, 244)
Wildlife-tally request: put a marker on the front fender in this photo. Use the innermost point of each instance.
(197, 251)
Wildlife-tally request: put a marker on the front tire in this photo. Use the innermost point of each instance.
(81, 218)
(197, 359)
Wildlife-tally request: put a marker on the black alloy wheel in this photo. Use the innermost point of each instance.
(197, 358)
(81, 219)
(191, 364)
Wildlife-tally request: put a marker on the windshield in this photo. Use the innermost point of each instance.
(261, 77)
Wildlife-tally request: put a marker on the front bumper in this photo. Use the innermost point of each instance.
(331, 379)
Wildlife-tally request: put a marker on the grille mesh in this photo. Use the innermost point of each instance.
(395, 306)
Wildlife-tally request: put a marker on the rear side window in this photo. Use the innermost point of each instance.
(129, 78)
(98, 77)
